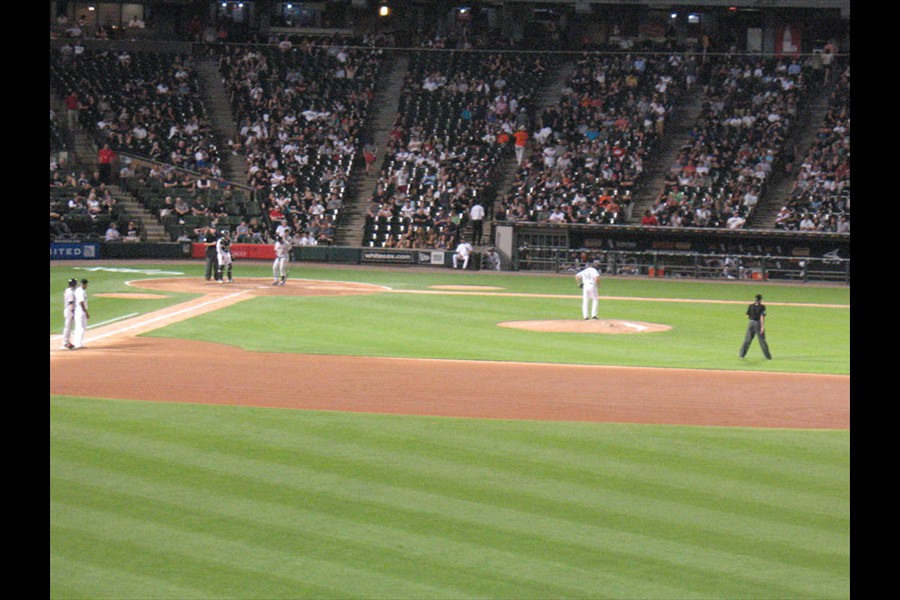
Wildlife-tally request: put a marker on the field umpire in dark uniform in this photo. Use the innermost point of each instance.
(756, 327)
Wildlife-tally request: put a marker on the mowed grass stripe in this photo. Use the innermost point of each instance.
(625, 507)
(577, 561)
(309, 542)
(214, 565)
(86, 568)
(328, 474)
(754, 471)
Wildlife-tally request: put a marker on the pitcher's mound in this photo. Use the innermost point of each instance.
(611, 326)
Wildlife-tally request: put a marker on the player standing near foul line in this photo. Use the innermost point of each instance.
(69, 313)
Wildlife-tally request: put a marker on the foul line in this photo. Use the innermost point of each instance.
(169, 315)
(113, 320)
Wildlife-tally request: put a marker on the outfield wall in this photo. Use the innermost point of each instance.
(621, 250)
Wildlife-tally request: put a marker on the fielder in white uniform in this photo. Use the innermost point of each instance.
(282, 256)
(69, 314)
(589, 281)
(81, 314)
(463, 250)
(223, 254)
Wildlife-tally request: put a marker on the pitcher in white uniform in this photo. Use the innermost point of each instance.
(589, 281)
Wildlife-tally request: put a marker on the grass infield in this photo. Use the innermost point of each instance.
(192, 501)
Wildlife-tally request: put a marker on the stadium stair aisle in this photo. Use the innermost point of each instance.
(810, 120)
(386, 102)
(234, 168)
(652, 182)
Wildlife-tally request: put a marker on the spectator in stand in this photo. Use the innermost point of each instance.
(243, 232)
(106, 158)
(132, 234)
(181, 208)
(112, 233)
(73, 106)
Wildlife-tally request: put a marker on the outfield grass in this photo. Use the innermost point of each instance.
(193, 501)
(189, 501)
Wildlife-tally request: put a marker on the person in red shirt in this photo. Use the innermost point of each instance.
(105, 159)
(73, 105)
(648, 219)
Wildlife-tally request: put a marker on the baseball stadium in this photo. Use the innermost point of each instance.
(416, 299)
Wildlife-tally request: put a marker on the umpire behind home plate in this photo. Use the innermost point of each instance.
(212, 263)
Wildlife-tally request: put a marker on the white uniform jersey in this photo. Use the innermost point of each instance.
(81, 300)
(69, 301)
(223, 251)
(223, 246)
(282, 249)
(589, 276)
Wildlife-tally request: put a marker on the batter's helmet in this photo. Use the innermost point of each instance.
(73, 282)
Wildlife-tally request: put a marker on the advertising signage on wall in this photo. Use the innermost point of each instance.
(389, 256)
(74, 250)
(405, 257)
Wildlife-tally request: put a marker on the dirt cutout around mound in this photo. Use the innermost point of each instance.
(170, 370)
(132, 296)
(604, 326)
(466, 288)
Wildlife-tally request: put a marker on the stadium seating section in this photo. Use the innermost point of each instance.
(300, 114)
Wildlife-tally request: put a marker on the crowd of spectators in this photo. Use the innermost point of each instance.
(588, 151)
(820, 198)
(299, 108)
(723, 170)
(186, 203)
(82, 28)
(81, 205)
(300, 105)
(457, 114)
(141, 102)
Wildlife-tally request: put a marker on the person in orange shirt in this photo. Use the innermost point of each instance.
(521, 140)
(604, 198)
